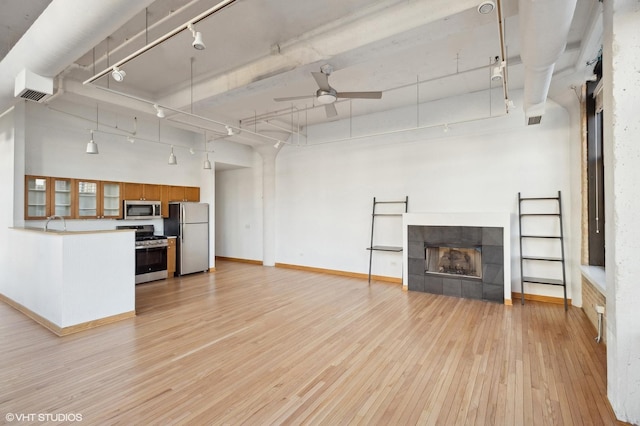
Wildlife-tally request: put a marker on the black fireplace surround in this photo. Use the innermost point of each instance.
(488, 239)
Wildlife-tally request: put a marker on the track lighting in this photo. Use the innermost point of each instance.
(191, 151)
(230, 131)
(445, 128)
(197, 44)
(172, 158)
(118, 74)
(277, 144)
(159, 111)
(130, 139)
(92, 147)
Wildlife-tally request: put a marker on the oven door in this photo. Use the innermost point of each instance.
(151, 264)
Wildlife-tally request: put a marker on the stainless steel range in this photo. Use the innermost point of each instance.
(151, 253)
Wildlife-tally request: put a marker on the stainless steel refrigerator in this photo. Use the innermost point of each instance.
(190, 223)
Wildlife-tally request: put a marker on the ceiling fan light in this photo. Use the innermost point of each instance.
(326, 97)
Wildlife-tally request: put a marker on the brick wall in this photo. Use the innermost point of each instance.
(591, 297)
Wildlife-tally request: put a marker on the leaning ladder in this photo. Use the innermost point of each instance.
(373, 247)
(532, 258)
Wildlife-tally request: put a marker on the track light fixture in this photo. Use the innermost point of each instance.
(277, 144)
(159, 111)
(172, 158)
(118, 74)
(230, 131)
(92, 147)
(197, 44)
(497, 71)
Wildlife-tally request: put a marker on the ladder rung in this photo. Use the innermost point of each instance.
(540, 236)
(543, 258)
(539, 198)
(549, 281)
(391, 202)
(385, 248)
(388, 214)
(540, 214)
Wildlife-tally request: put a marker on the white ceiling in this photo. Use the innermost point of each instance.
(261, 49)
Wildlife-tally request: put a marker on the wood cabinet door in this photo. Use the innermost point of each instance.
(192, 193)
(151, 192)
(132, 191)
(176, 193)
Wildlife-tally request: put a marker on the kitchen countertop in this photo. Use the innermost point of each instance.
(61, 232)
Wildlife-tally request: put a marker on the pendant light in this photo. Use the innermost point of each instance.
(207, 164)
(92, 146)
(172, 158)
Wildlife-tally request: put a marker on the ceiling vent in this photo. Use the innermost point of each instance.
(32, 87)
(534, 120)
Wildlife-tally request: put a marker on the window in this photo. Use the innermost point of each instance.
(595, 170)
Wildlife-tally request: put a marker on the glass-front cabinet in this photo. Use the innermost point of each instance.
(111, 200)
(62, 197)
(36, 197)
(48, 196)
(87, 192)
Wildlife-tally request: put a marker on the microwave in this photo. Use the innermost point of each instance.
(141, 209)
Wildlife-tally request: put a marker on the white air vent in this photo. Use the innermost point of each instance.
(534, 120)
(32, 87)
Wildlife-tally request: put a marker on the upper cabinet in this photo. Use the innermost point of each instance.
(111, 199)
(141, 191)
(94, 199)
(184, 193)
(97, 199)
(47, 196)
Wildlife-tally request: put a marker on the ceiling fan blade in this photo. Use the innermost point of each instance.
(360, 95)
(322, 79)
(293, 98)
(331, 110)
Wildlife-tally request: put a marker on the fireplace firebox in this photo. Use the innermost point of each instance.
(457, 261)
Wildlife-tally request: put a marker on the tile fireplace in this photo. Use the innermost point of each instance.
(457, 260)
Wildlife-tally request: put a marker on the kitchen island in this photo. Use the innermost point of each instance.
(71, 281)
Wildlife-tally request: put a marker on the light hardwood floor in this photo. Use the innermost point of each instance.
(258, 345)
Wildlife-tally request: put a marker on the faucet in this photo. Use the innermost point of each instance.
(50, 218)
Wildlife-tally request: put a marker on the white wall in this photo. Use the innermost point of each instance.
(239, 212)
(325, 186)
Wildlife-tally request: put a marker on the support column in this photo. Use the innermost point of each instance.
(621, 60)
(268, 154)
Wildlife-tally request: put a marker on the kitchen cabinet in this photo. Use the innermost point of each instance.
(111, 205)
(47, 196)
(98, 199)
(171, 257)
(184, 193)
(141, 191)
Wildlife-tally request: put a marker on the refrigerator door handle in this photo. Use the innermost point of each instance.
(182, 215)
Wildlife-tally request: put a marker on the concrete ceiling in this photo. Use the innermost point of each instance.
(258, 50)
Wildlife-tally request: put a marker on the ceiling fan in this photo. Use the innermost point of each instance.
(327, 95)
